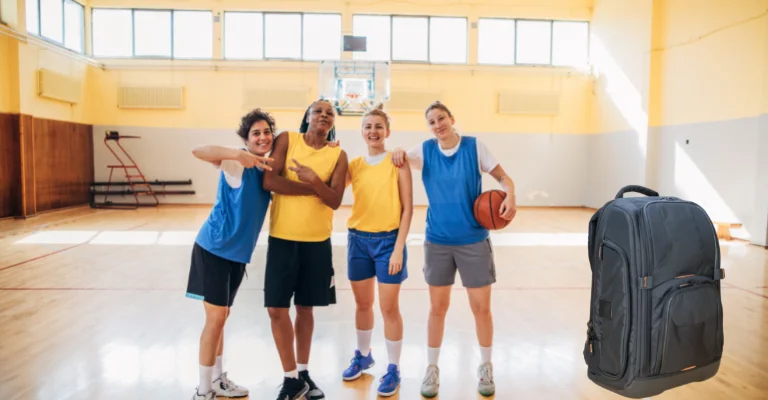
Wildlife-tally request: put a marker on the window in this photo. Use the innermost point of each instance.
(192, 34)
(376, 29)
(282, 35)
(532, 42)
(292, 36)
(322, 37)
(570, 43)
(112, 33)
(410, 38)
(243, 35)
(60, 21)
(152, 33)
(496, 41)
(447, 40)
(74, 25)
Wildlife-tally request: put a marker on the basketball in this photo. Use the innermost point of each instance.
(487, 207)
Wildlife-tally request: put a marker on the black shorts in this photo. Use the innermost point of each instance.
(213, 279)
(303, 269)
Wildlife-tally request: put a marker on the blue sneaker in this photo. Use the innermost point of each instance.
(358, 365)
(390, 382)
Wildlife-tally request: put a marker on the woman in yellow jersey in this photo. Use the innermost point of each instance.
(381, 218)
(308, 182)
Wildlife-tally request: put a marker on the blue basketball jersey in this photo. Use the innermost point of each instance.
(233, 226)
(452, 184)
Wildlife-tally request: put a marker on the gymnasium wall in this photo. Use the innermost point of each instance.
(696, 104)
(540, 152)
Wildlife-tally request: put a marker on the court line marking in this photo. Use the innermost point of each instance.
(58, 251)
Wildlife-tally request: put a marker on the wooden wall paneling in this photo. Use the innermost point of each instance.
(10, 165)
(27, 149)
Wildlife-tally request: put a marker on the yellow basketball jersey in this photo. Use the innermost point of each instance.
(377, 206)
(304, 218)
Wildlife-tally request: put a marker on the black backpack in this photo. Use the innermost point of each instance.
(655, 315)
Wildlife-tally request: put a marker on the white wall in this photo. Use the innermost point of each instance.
(549, 170)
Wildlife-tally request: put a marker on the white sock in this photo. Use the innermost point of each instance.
(393, 350)
(303, 367)
(485, 354)
(293, 374)
(433, 354)
(206, 379)
(364, 342)
(218, 368)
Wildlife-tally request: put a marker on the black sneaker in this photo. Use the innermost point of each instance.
(293, 389)
(314, 392)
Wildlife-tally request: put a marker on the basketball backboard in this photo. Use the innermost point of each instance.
(354, 86)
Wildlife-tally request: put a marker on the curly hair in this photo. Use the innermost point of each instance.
(251, 118)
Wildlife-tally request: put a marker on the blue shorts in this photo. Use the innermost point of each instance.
(368, 256)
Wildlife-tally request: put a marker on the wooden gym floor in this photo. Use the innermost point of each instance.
(92, 306)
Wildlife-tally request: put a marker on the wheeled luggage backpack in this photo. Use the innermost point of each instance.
(656, 318)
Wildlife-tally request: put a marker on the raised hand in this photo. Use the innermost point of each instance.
(249, 160)
(306, 174)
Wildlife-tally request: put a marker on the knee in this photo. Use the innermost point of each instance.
(439, 308)
(390, 311)
(277, 314)
(304, 312)
(364, 305)
(481, 311)
(216, 318)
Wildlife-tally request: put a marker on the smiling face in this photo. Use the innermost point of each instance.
(440, 123)
(321, 116)
(375, 131)
(260, 138)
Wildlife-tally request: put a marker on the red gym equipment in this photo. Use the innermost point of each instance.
(134, 179)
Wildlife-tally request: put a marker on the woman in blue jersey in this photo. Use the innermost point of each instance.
(226, 242)
(451, 167)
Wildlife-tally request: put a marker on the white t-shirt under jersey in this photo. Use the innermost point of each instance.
(487, 161)
(233, 172)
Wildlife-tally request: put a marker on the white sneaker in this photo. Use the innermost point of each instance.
(431, 382)
(208, 396)
(486, 385)
(226, 388)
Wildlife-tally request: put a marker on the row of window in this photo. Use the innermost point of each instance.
(309, 36)
(60, 21)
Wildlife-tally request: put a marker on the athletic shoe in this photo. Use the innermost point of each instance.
(390, 382)
(208, 396)
(431, 382)
(486, 386)
(314, 392)
(358, 365)
(226, 388)
(293, 389)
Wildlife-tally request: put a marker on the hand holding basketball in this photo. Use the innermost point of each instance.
(306, 174)
(494, 210)
(508, 208)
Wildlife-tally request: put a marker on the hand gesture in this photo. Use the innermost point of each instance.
(508, 207)
(306, 174)
(334, 144)
(399, 157)
(249, 160)
(396, 262)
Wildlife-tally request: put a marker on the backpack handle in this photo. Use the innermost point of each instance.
(638, 189)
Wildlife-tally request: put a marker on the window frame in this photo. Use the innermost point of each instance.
(517, 36)
(133, 33)
(39, 33)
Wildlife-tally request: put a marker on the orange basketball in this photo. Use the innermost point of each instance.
(487, 207)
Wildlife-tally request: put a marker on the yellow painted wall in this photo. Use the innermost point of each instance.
(214, 98)
(8, 93)
(713, 60)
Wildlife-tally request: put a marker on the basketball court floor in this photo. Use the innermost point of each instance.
(93, 307)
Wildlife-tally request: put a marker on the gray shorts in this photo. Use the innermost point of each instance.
(474, 262)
